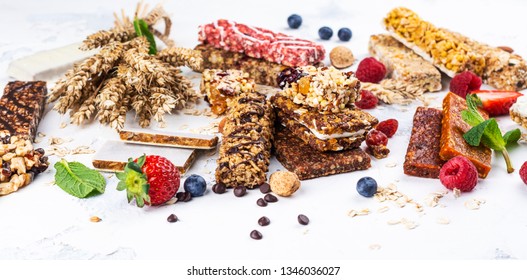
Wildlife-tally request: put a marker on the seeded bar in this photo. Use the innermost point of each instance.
(221, 86)
(422, 156)
(403, 65)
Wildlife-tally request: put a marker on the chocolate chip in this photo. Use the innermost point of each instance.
(264, 221)
(303, 219)
(256, 235)
(270, 198)
(265, 188)
(261, 202)
(180, 196)
(219, 188)
(240, 191)
(172, 218)
(187, 197)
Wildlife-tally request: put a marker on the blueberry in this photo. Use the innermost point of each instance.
(195, 185)
(325, 33)
(367, 186)
(344, 34)
(294, 21)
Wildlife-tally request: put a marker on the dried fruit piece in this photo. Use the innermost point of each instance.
(367, 100)
(376, 138)
(370, 70)
(464, 83)
(388, 127)
(459, 173)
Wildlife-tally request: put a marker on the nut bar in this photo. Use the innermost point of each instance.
(518, 111)
(166, 138)
(22, 107)
(221, 86)
(20, 163)
(324, 132)
(452, 141)
(307, 163)
(245, 150)
(261, 43)
(404, 65)
(422, 156)
(325, 88)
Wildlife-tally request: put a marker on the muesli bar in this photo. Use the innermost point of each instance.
(518, 111)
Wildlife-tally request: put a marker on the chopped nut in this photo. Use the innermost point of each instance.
(95, 219)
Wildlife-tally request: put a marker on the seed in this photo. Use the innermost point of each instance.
(261, 202)
(507, 49)
(240, 191)
(270, 198)
(172, 218)
(303, 219)
(95, 219)
(264, 221)
(256, 235)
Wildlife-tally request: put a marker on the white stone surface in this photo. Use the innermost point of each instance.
(43, 222)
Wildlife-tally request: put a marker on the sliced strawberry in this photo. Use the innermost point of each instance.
(497, 102)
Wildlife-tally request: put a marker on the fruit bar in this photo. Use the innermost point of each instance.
(453, 53)
(403, 65)
(422, 156)
(307, 163)
(452, 141)
(518, 111)
(20, 163)
(325, 89)
(324, 132)
(245, 151)
(221, 86)
(261, 43)
(113, 155)
(22, 107)
(166, 138)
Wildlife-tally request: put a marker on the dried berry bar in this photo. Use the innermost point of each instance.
(308, 163)
(324, 132)
(221, 86)
(22, 107)
(422, 156)
(245, 150)
(403, 65)
(452, 141)
(325, 89)
(261, 43)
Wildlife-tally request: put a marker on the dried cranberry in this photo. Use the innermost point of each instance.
(388, 127)
(376, 138)
(288, 76)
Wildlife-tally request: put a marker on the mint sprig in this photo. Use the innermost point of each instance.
(487, 132)
(78, 180)
(141, 29)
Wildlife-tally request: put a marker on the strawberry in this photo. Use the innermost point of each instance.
(497, 102)
(151, 180)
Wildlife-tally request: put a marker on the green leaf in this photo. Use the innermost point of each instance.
(470, 118)
(512, 136)
(142, 29)
(487, 132)
(472, 115)
(78, 180)
(474, 135)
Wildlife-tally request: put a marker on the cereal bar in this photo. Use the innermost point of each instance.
(325, 89)
(221, 86)
(403, 65)
(518, 111)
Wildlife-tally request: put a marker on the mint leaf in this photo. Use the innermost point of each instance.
(141, 29)
(470, 118)
(474, 135)
(78, 180)
(492, 136)
(472, 115)
(512, 136)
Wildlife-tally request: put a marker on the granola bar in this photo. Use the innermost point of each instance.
(325, 89)
(19, 161)
(452, 141)
(518, 111)
(324, 132)
(22, 107)
(221, 86)
(422, 156)
(307, 163)
(454, 53)
(261, 43)
(403, 65)
(171, 139)
(245, 150)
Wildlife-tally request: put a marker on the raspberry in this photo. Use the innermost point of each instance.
(376, 138)
(370, 70)
(388, 127)
(523, 172)
(367, 100)
(464, 83)
(459, 173)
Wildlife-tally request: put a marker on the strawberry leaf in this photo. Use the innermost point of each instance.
(78, 180)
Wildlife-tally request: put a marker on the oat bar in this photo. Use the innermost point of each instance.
(261, 43)
(324, 132)
(452, 141)
(518, 111)
(307, 163)
(245, 150)
(22, 107)
(262, 71)
(326, 89)
(403, 65)
(221, 86)
(422, 156)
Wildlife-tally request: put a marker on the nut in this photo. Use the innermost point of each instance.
(341, 57)
(284, 183)
(95, 219)
(221, 125)
(507, 49)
